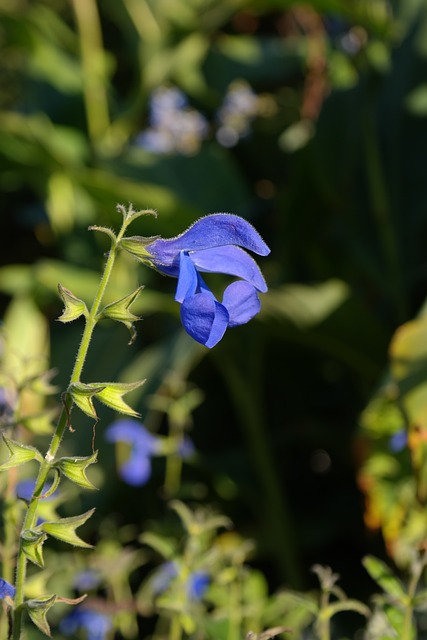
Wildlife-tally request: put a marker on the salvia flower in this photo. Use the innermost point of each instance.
(136, 471)
(174, 127)
(6, 589)
(96, 624)
(213, 244)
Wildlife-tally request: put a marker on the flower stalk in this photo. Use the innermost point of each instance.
(63, 421)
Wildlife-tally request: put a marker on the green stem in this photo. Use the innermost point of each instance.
(175, 629)
(246, 395)
(93, 66)
(63, 421)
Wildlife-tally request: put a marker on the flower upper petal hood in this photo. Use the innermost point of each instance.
(215, 230)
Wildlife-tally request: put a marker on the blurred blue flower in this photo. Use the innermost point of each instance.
(197, 582)
(398, 441)
(96, 624)
(239, 107)
(25, 489)
(136, 470)
(186, 448)
(86, 580)
(163, 577)
(7, 403)
(174, 126)
(6, 589)
(214, 243)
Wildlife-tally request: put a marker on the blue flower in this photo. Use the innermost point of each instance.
(96, 624)
(6, 589)
(398, 441)
(197, 582)
(86, 580)
(236, 113)
(213, 244)
(174, 126)
(136, 470)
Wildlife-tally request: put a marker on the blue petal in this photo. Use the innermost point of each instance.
(232, 261)
(187, 279)
(242, 302)
(6, 589)
(215, 230)
(136, 471)
(204, 318)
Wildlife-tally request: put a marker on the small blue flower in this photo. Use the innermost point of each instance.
(6, 589)
(25, 489)
(398, 441)
(198, 584)
(136, 470)
(163, 577)
(236, 113)
(174, 127)
(96, 624)
(186, 448)
(213, 244)
(86, 580)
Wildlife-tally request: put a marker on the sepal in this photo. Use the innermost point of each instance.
(106, 230)
(136, 245)
(119, 311)
(130, 214)
(82, 395)
(38, 608)
(19, 454)
(112, 396)
(75, 469)
(32, 545)
(73, 307)
(65, 529)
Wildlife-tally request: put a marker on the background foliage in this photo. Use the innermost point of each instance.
(328, 162)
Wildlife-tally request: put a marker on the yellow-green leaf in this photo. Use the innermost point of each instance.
(75, 469)
(73, 307)
(19, 454)
(65, 529)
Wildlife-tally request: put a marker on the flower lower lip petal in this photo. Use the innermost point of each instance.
(242, 302)
(204, 318)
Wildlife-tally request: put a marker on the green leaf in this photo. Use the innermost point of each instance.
(112, 392)
(119, 311)
(164, 546)
(383, 575)
(73, 307)
(136, 246)
(82, 395)
(32, 545)
(19, 454)
(65, 529)
(75, 469)
(38, 608)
